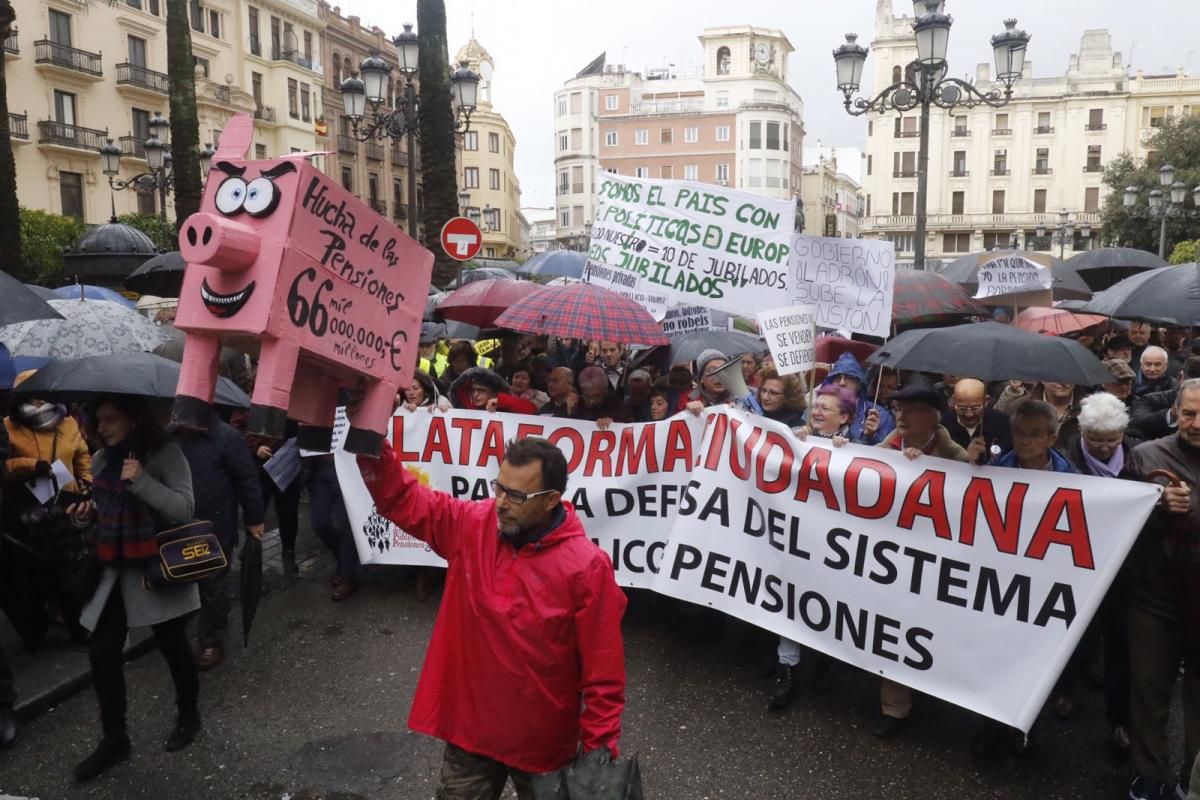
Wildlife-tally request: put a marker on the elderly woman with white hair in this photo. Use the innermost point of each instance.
(1102, 450)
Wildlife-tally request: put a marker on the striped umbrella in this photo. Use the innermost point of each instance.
(584, 311)
(926, 297)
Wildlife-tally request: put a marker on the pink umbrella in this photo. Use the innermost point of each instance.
(479, 303)
(1056, 321)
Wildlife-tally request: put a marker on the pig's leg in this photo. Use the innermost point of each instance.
(197, 382)
(314, 403)
(369, 422)
(277, 364)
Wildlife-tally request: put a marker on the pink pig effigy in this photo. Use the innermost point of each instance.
(284, 263)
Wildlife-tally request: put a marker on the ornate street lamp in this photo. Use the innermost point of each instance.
(159, 177)
(1163, 203)
(926, 84)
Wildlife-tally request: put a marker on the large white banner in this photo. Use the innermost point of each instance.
(972, 584)
(850, 281)
(690, 243)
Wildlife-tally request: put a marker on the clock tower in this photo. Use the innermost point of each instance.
(745, 52)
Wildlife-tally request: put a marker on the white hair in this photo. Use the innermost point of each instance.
(1153, 350)
(1103, 413)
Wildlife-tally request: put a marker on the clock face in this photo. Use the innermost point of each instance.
(762, 52)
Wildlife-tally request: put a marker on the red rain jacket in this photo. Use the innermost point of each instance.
(523, 638)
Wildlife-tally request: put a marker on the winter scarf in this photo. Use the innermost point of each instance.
(1104, 469)
(40, 416)
(126, 528)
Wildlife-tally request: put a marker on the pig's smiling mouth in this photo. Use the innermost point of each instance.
(224, 305)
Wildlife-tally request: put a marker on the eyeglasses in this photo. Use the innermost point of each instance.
(515, 497)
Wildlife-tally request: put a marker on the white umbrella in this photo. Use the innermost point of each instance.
(88, 328)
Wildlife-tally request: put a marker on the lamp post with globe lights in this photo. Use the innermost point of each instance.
(1163, 203)
(159, 175)
(926, 84)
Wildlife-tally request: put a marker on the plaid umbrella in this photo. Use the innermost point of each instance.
(583, 311)
(1056, 321)
(924, 297)
(479, 303)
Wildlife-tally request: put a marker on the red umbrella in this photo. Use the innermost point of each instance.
(584, 311)
(1056, 321)
(924, 297)
(829, 348)
(479, 303)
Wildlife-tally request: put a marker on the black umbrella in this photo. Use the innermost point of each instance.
(19, 303)
(1068, 284)
(141, 374)
(990, 351)
(161, 275)
(251, 584)
(1106, 266)
(43, 292)
(1169, 296)
(730, 343)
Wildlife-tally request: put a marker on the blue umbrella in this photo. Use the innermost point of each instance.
(93, 293)
(555, 264)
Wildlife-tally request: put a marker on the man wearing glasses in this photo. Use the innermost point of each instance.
(974, 425)
(525, 669)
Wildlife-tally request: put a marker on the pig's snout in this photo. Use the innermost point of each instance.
(217, 242)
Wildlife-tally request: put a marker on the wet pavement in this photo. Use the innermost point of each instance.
(316, 708)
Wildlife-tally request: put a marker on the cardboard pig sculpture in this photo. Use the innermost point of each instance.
(285, 264)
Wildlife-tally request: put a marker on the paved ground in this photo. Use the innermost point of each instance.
(316, 707)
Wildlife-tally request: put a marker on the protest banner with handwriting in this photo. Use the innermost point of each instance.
(791, 335)
(1011, 274)
(849, 281)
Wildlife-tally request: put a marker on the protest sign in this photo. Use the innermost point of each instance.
(690, 243)
(1011, 274)
(686, 319)
(850, 281)
(791, 334)
(972, 584)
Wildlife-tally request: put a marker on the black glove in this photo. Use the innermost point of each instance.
(42, 469)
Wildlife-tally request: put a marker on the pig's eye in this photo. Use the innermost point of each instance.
(261, 197)
(231, 194)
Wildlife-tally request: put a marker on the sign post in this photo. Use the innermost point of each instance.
(461, 238)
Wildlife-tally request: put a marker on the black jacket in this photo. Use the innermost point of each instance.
(223, 476)
(1148, 416)
(995, 430)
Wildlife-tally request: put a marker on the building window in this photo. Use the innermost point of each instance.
(904, 165)
(576, 102)
(1095, 119)
(305, 106)
(214, 24)
(152, 6)
(641, 172)
(196, 15)
(577, 216)
(1000, 162)
(1041, 162)
(145, 201)
(577, 179)
(868, 205)
(562, 106)
(471, 177)
(137, 51)
(293, 98)
(494, 179)
(870, 127)
(563, 142)
(397, 192)
(773, 136)
(870, 162)
(1001, 125)
(691, 172)
(260, 151)
(490, 252)
(755, 135)
(1155, 116)
(997, 240)
(373, 187)
(666, 171)
(1091, 199)
(610, 102)
(60, 28)
(70, 188)
(141, 124)
(471, 140)
(723, 174)
(64, 107)
(202, 63)
(724, 63)
(960, 163)
(958, 201)
(1093, 159)
(641, 136)
(576, 138)
(722, 99)
(1039, 201)
(897, 74)
(612, 171)
(960, 125)
(665, 135)
(564, 218)
(348, 179)
(691, 135)
(1043, 122)
(255, 43)
(493, 142)
(564, 182)
(610, 139)
(956, 243)
(903, 242)
(308, 51)
(722, 133)
(998, 201)
(907, 203)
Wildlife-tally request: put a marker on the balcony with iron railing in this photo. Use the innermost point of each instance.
(399, 157)
(143, 78)
(1093, 167)
(1043, 171)
(1001, 131)
(1043, 129)
(265, 113)
(18, 125)
(399, 211)
(958, 172)
(11, 46)
(347, 144)
(905, 134)
(133, 147)
(374, 151)
(295, 57)
(64, 135)
(53, 54)
(223, 94)
(959, 133)
(904, 173)
(378, 206)
(1097, 127)
(1000, 172)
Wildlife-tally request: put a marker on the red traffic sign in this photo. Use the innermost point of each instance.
(461, 238)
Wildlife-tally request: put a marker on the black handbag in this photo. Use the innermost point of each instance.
(615, 780)
(186, 554)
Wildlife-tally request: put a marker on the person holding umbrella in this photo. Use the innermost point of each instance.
(141, 482)
(871, 423)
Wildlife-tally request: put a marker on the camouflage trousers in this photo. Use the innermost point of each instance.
(467, 776)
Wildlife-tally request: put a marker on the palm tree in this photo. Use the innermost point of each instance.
(185, 120)
(439, 177)
(10, 211)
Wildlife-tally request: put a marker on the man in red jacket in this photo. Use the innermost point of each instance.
(526, 666)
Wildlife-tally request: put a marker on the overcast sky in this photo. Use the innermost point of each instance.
(539, 44)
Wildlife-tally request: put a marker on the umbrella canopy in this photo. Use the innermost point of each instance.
(140, 374)
(431, 303)
(1056, 321)
(86, 328)
(42, 291)
(1067, 283)
(467, 276)
(830, 348)
(555, 264)
(923, 297)
(990, 351)
(584, 311)
(161, 275)
(85, 291)
(251, 584)
(1105, 266)
(479, 303)
(689, 346)
(1170, 296)
(19, 303)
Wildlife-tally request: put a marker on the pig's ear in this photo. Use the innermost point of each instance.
(236, 138)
